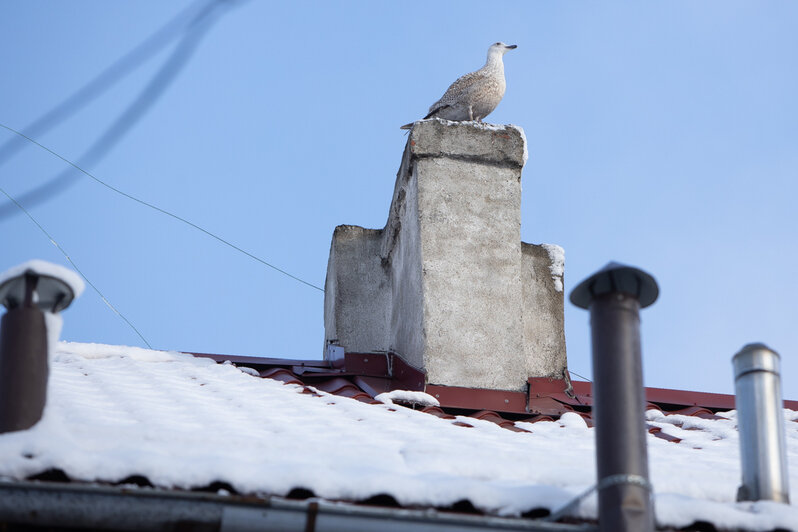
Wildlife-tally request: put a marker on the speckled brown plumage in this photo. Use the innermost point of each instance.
(475, 95)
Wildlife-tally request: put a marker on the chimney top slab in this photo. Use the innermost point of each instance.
(474, 141)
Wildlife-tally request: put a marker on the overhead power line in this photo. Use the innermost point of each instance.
(69, 259)
(156, 208)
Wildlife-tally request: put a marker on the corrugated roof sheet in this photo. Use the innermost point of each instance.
(546, 399)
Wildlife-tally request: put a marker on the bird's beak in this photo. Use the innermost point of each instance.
(512, 46)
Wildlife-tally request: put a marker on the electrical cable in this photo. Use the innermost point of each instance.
(569, 371)
(69, 259)
(194, 30)
(606, 482)
(156, 208)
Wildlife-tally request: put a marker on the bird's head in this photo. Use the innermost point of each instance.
(499, 48)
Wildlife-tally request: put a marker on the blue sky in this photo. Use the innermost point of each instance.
(662, 135)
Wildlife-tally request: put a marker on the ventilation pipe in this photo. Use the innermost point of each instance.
(30, 292)
(614, 296)
(760, 418)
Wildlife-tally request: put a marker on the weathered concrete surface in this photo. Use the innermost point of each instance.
(356, 292)
(471, 249)
(401, 253)
(544, 320)
(484, 143)
(451, 288)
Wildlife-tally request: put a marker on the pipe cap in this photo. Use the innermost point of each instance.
(755, 357)
(616, 277)
(53, 286)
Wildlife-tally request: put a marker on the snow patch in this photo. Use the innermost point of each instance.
(523, 139)
(674, 510)
(140, 354)
(53, 324)
(573, 420)
(556, 264)
(473, 123)
(407, 396)
(249, 371)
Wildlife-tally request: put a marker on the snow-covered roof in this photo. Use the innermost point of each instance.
(185, 422)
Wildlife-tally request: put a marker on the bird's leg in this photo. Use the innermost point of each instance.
(471, 113)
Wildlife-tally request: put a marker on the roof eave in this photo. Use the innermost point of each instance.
(56, 505)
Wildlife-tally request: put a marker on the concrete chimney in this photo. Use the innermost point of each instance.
(447, 284)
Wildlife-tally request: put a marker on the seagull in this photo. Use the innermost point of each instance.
(475, 95)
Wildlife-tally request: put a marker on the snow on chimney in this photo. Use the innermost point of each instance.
(447, 284)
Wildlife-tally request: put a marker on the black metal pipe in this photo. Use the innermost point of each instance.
(619, 413)
(23, 368)
(614, 296)
(23, 362)
(23, 340)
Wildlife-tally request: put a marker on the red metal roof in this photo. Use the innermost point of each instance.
(363, 376)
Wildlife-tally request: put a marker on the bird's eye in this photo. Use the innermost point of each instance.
(497, 43)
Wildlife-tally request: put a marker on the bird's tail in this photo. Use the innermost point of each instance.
(431, 114)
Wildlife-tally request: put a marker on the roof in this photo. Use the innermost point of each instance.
(129, 416)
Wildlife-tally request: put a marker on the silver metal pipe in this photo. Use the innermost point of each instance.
(760, 418)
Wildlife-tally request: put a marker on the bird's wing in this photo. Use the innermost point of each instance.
(456, 90)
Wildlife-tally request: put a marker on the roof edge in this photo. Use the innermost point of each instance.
(58, 505)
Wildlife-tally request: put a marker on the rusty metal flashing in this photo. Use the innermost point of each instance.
(665, 399)
(478, 399)
(256, 362)
(368, 364)
(381, 371)
(714, 401)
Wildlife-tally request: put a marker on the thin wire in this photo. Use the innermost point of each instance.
(107, 78)
(68, 258)
(569, 371)
(606, 482)
(162, 211)
(155, 88)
